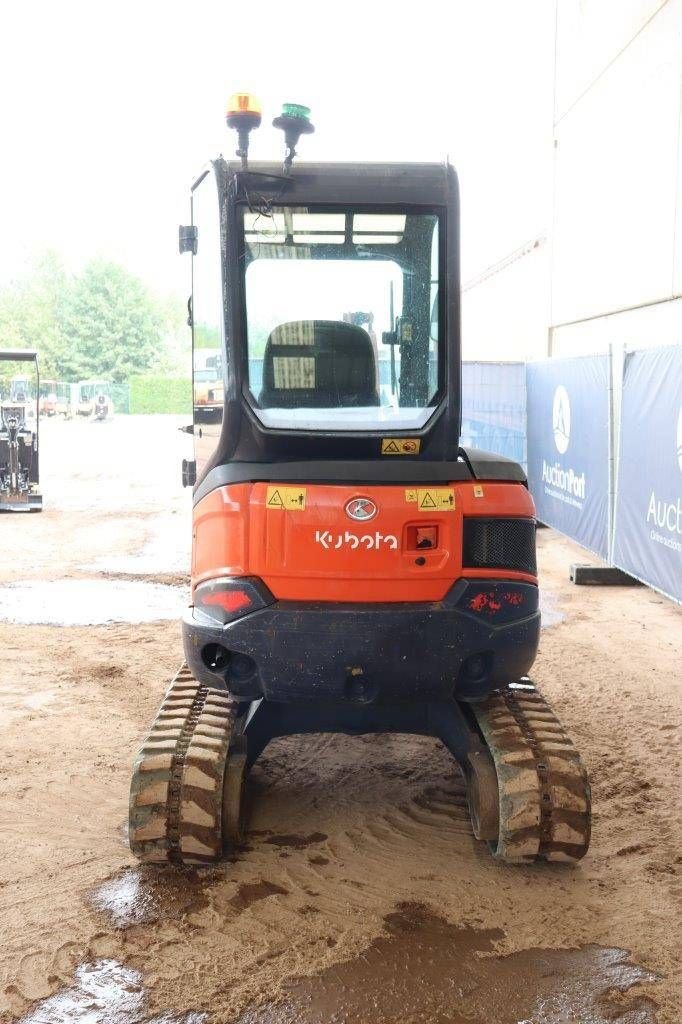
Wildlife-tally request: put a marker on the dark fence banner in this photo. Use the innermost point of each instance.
(648, 515)
(568, 447)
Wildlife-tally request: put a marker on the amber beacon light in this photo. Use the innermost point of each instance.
(243, 114)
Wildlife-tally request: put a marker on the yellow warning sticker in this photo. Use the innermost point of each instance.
(411, 497)
(436, 499)
(290, 498)
(478, 491)
(400, 446)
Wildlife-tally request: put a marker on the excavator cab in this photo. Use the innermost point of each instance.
(354, 569)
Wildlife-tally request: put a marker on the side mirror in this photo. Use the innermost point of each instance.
(188, 238)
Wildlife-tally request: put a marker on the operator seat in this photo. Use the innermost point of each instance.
(319, 364)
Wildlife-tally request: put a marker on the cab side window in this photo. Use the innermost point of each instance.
(207, 322)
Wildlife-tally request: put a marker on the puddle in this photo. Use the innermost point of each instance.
(137, 897)
(24, 705)
(89, 602)
(104, 992)
(550, 614)
(167, 553)
(38, 700)
(425, 969)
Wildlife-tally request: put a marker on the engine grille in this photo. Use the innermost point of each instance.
(499, 544)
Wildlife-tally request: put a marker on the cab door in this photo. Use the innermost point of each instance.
(207, 321)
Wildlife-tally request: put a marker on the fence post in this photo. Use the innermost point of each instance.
(612, 460)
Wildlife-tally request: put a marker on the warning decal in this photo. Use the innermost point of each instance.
(291, 498)
(478, 491)
(400, 446)
(411, 497)
(436, 499)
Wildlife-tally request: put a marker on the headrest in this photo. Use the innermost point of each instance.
(318, 363)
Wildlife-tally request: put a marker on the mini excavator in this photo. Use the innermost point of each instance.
(354, 568)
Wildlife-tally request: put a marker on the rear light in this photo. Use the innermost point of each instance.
(496, 543)
(499, 602)
(229, 598)
(230, 601)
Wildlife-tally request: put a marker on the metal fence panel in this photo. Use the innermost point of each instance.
(120, 396)
(494, 408)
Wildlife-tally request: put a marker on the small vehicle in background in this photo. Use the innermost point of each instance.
(47, 403)
(55, 398)
(93, 399)
(209, 392)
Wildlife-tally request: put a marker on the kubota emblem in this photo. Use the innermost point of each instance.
(361, 509)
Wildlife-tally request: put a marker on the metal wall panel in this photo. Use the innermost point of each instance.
(590, 35)
(616, 176)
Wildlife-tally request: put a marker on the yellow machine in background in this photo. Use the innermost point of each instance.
(209, 392)
(55, 398)
(93, 399)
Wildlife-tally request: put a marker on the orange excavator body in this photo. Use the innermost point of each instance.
(410, 550)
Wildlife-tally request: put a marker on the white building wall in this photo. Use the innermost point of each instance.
(506, 315)
(617, 232)
(612, 271)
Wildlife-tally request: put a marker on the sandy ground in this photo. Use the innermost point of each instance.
(342, 831)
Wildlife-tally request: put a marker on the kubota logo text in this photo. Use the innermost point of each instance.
(368, 541)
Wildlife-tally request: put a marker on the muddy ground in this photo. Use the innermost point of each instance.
(361, 870)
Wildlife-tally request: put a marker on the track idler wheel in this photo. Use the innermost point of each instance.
(234, 786)
(482, 795)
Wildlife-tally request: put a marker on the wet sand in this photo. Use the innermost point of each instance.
(359, 850)
(426, 969)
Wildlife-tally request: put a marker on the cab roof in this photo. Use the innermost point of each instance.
(15, 355)
(375, 184)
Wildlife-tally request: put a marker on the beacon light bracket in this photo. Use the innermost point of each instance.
(294, 121)
(243, 114)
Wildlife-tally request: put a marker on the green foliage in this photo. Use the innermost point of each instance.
(31, 311)
(113, 322)
(206, 336)
(100, 323)
(160, 394)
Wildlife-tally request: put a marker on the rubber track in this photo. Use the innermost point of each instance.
(176, 793)
(543, 788)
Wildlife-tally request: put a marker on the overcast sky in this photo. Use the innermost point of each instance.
(110, 110)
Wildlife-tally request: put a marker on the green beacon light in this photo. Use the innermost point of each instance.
(294, 122)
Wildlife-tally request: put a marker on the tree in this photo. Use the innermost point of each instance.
(30, 311)
(110, 325)
(100, 323)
